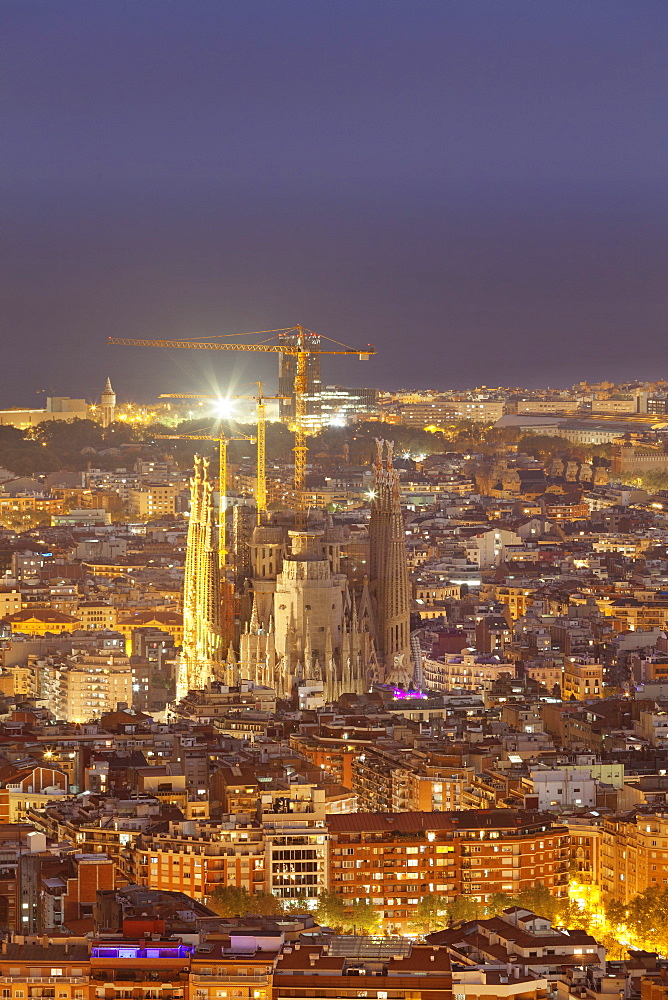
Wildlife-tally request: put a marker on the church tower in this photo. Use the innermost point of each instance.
(201, 589)
(304, 627)
(108, 404)
(388, 570)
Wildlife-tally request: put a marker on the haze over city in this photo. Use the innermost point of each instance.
(334, 500)
(477, 188)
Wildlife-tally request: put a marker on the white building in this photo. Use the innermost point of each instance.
(86, 687)
(487, 548)
(562, 787)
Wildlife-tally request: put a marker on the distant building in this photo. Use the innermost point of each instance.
(108, 404)
(634, 458)
(154, 500)
(57, 408)
(87, 686)
(287, 369)
(582, 680)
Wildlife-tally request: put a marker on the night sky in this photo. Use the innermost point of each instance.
(479, 188)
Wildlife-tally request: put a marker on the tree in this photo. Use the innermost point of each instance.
(431, 914)
(229, 901)
(655, 480)
(233, 901)
(498, 902)
(331, 910)
(615, 912)
(464, 908)
(265, 904)
(539, 900)
(647, 919)
(360, 917)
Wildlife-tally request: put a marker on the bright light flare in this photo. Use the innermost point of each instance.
(224, 408)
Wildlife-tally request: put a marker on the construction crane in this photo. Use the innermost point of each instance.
(223, 442)
(261, 416)
(301, 350)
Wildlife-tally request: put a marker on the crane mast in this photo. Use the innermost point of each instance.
(223, 442)
(261, 419)
(301, 350)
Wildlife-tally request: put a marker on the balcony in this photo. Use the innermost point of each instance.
(44, 980)
(122, 977)
(230, 980)
(102, 993)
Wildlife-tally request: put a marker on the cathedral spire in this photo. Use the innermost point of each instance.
(254, 623)
(389, 565)
(201, 587)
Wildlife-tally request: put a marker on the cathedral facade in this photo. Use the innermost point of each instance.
(305, 625)
(312, 624)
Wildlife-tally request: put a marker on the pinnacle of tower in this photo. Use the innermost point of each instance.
(107, 387)
(254, 619)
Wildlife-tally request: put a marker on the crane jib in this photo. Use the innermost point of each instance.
(196, 345)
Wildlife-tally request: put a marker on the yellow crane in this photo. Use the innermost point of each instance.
(223, 442)
(301, 350)
(261, 417)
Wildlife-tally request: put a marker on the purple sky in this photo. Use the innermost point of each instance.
(479, 188)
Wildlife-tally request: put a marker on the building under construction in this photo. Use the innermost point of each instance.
(202, 617)
(287, 370)
(307, 627)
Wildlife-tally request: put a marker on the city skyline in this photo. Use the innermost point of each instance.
(483, 182)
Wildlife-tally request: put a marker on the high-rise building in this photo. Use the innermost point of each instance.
(86, 686)
(108, 404)
(389, 582)
(201, 588)
(287, 369)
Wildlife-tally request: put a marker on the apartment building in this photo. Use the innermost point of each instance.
(294, 820)
(469, 671)
(391, 860)
(390, 779)
(32, 970)
(154, 500)
(634, 853)
(582, 679)
(586, 834)
(196, 858)
(140, 969)
(398, 969)
(96, 616)
(335, 756)
(54, 890)
(28, 787)
(87, 686)
(523, 944)
(10, 602)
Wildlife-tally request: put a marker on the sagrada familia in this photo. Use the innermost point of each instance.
(310, 624)
(202, 613)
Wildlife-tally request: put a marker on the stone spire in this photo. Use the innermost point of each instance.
(201, 587)
(108, 404)
(389, 583)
